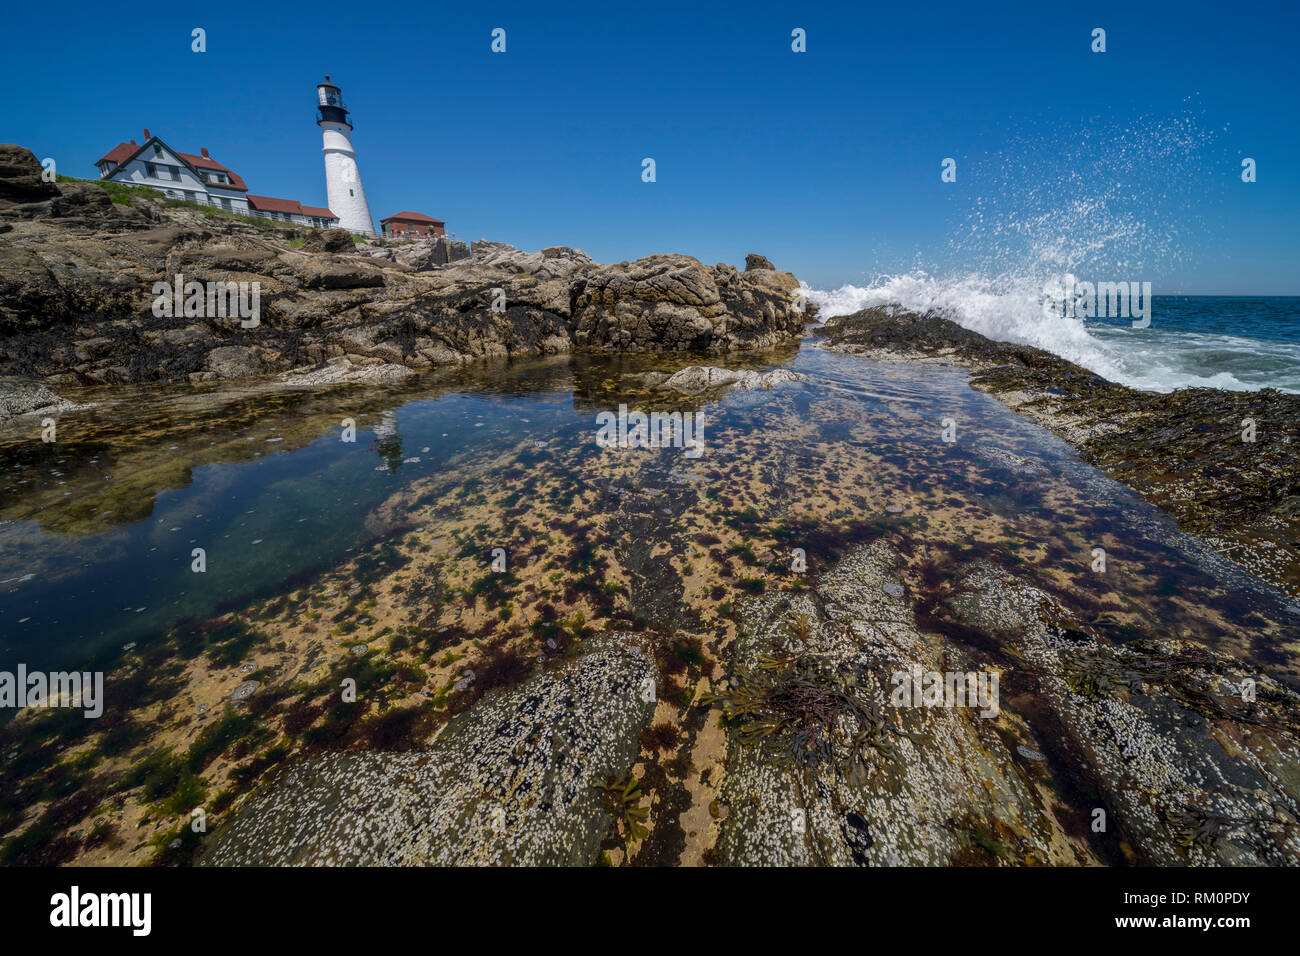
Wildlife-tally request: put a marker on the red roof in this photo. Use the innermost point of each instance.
(119, 153)
(271, 204)
(207, 162)
(125, 152)
(412, 217)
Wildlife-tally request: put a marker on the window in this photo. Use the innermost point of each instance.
(225, 203)
(350, 192)
(176, 173)
(157, 150)
(190, 196)
(151, 170)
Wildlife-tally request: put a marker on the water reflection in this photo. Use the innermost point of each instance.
(99, 529)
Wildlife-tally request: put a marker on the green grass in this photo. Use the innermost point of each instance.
(119, 193)
(125, 195)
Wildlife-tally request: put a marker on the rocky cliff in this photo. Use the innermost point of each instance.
(78, 269)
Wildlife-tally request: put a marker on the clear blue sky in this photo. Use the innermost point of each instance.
(827, 162)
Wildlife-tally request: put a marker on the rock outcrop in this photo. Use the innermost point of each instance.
(78, 271)
(695, 379)
(19, 397)
(328, 240)
(828, 765)
(514, 781)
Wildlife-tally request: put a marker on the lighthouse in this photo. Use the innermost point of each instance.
(347, 198)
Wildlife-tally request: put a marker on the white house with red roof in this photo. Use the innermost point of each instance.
(290, 210)
(200, 179)
(179, 175)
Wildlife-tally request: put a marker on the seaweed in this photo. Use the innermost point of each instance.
(622, 799)
(798, 708)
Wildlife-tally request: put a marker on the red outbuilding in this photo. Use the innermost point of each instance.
(412, 224)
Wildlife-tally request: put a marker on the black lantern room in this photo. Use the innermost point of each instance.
(330, 108)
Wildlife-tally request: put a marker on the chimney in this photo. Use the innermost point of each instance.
(147, 137)
(204, 151)
(132, 142)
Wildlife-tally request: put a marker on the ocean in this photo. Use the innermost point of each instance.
(1242, 343)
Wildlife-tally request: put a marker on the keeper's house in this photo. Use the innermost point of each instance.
(200, 179)
(290, 210)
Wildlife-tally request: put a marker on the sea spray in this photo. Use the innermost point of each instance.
(1089, 210)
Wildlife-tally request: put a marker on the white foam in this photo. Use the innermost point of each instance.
(1004, 309)
(1009, 309)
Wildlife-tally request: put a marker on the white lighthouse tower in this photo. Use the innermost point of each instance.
(347, 199)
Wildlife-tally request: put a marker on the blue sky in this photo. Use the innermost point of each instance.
(827, 162)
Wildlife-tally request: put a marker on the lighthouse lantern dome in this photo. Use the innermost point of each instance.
(329, 101)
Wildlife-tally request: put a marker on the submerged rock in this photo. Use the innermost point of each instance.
(18, 397)
(341, 371)
(699, 378)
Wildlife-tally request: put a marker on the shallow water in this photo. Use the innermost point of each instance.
(98, 529)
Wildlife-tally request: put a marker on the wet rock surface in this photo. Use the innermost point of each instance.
(825, 766)
(19, 397)
(1225, 464)
(77, 272)
(978, 559)
(701, 378)
(516, 780)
